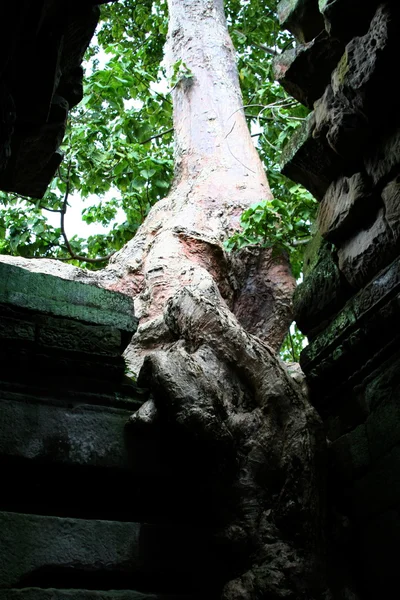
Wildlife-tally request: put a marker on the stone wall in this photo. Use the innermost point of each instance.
(347, 155)
(42, 44)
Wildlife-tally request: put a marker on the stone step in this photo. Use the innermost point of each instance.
(75, 435)
(40, 551)
(56, 594)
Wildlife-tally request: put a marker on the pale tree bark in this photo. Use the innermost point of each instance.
(218, 174)
(211, 325)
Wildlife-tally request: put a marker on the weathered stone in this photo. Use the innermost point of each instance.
(350, 454)
(83, 435)
(391, 201)
(366, 302)
(52, 295)
(304, 71)
(301, 17)
(378, 553)
(382, 162)
(57, 594)
(379, 489)
(38, 549)
(322, 293)
(383, 425)
(342, 114)
(42, 49)
(344, 19)
(382, 386)
(307, 160)
(344, 207)
(358, 259)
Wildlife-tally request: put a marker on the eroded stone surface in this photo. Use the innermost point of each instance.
(322, 293)
(344, 207)
(358, 259)
(49, 294)
(391, 200)
(42, 48)
(309, 161)
(342, 113)
(304, 71)
(301, 17)
(32, 547)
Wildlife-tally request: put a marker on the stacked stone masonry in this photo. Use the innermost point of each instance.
(347, 154)
(42, 44)
(88, 509)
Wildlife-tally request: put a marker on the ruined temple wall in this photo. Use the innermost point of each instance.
(347, 155)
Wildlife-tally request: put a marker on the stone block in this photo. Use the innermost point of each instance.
(391, 201)
(304, 71)
(347, 347)
(17, 330)
(38, 549)
(77, 594)
(52, 295)
(378, 555)
(84, 435)
(309, 160)
(322, 293)
(301, 17)
(73, 336)
(344, 114)
(383, 386)
(345, 19)
(350, 456)
(359, 260)
(382, 163)
(345, 207)
(379, 489)
(383, 425)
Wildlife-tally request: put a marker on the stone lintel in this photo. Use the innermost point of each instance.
(48, 294)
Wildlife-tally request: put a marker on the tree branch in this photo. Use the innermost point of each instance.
(158, 135)
(66, 240)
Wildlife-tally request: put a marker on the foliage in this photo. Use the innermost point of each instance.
(293, 345)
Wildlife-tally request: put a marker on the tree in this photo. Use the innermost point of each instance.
(119, 140)
(211, 323)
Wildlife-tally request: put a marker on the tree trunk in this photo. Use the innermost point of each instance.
(218, 174)
(210, 326)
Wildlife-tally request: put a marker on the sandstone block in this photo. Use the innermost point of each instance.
(52, 295)
(77, 594)
(391, 200)
(309, 161)
(346, 19)
(304, 71)
(358, 259)
(322, 293)
(344, 206)
(383, 161)
(344, 112)
(154, 556)
(301, 17)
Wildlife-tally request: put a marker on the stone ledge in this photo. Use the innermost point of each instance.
(77, 594)
(375, 295)
(84, 435)
(52, 295)
(301, 17)
(35, 549)
(304, 71)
